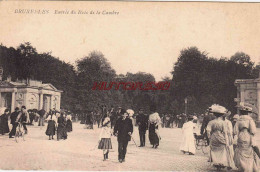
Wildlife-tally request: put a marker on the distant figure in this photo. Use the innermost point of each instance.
(31, 115)
(61, 130)
(154, 122)
(69, 123)
(51, 128)
(42, 113)
(142, 122)
(4, 128)
(13, 117)
(123, 130)
(188, 143)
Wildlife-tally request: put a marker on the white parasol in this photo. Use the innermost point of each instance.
(2, 110)
(130, 112)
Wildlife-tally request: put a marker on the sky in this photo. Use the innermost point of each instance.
(138, 36)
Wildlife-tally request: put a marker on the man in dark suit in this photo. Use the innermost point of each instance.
(207, 118)
(13, 117)
(42, 113)
(142, 122)
(123, 130)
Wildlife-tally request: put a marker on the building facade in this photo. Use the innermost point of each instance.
(248, 90)
(30, 93)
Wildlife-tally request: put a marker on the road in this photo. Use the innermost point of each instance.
(79, 152)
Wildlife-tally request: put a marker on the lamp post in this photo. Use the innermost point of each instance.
(186, 107)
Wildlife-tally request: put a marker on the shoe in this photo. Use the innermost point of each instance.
(191, 153)
(156, 146)
(120, 160)
(140, 146)
(11, 137)
(123, 160)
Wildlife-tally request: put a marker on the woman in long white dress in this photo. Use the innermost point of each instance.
(188, 143)
(217, 131)
(246, 158)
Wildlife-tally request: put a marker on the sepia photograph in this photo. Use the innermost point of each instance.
(129, 86)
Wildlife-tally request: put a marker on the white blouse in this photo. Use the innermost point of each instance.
(68, 117)
(54, 118)
(106, 131)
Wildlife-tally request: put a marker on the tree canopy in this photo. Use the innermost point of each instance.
(203, 80)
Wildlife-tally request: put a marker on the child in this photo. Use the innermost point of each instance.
(105, 137)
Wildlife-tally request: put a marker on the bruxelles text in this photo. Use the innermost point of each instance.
(131, 85)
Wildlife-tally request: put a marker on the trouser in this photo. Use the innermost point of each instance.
(25, 128)
(41, 121)
(13, 131)
(122, 148)
(142, 137)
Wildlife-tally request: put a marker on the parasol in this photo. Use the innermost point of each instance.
(130, 112)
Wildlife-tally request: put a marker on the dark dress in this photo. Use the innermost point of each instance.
(51, 127)
(69, 125)
(4, 128)
(153, 137)
(61, 131)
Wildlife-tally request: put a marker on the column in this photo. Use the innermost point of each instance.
(242, 95)
(40, 101)
(258, 100)
(13, 102)
(0, 99)
(51, 102)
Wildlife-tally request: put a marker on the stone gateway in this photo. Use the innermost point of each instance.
(30, 93)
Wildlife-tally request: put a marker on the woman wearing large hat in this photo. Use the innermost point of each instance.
(219, 154)
(246, 158)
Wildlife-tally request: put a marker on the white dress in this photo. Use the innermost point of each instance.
(188, 142)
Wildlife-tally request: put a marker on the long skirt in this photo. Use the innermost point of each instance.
(61, 132)
(105, 143)
(4, 128)
(153, 137)
(245, 158)
(50, 128)
(218, 149)
(69, 126)
(188, 142)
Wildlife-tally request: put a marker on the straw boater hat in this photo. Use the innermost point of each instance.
(245, 107)
(217, 109)
(236, 116)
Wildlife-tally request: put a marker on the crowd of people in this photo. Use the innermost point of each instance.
(58, 122)
(232, 144)
(231, 139)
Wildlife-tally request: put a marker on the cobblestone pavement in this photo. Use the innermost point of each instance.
(79, 152)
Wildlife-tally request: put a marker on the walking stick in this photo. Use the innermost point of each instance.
(133, 140)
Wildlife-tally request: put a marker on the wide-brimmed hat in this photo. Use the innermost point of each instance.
(215, 108)
(236, 116)
(243, 106)
(190, 117)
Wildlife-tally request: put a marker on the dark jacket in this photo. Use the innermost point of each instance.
(142, 122)
(42, 112)
(205, 122)
(13, 117)
(122, 128)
